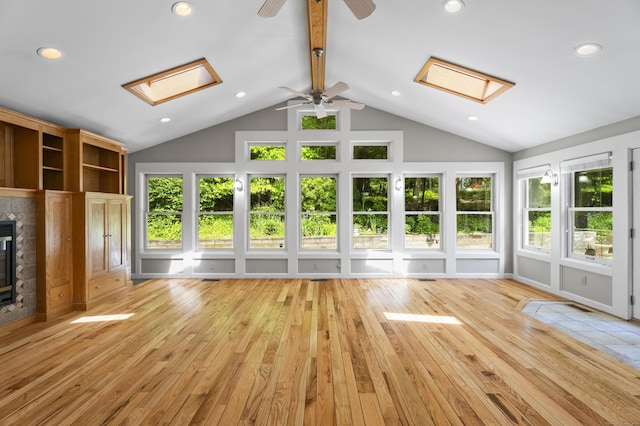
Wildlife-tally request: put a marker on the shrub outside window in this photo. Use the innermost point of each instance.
(422, 212)
(591, 215)
(474, 212)
(267, 212)
(215, 212)
(267, 152)
(164, 212)
(370, 213)
(536, 215)
(318, 213)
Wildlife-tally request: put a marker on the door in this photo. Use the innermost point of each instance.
(117, 211)
(635, 258)
(97, 237)
(58, 237)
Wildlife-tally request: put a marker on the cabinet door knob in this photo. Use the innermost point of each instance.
(61, 295)
(68, 238)
(98, 286)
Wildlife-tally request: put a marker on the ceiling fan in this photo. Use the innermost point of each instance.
(360, 8)
(321, 98)
(317, 15)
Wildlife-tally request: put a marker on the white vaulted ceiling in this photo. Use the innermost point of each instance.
(106, 44)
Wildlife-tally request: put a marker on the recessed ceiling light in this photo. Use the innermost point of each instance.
(395, 93)
(165, 120)
(588, 49)
(182, 8)
(49, 53)
(453, 6)
(240, 94)
(473, 118)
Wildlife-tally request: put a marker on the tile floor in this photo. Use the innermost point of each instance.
(614, 336)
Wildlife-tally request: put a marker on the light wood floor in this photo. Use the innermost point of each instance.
(346, 352)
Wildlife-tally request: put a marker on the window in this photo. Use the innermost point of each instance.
(267, 152)
(536, 214)
(422, 212)
(591, 214)
(370, 213)
(267, 212)
(371, 152)
(311, 122)
(474, 212)
(164, 212)
(318, 212)
(318, 151)
(215, 212)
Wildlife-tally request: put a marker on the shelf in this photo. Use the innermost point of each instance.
(100, 168)
(53, 169)
(51, 148)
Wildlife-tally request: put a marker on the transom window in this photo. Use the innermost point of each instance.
(264, 152)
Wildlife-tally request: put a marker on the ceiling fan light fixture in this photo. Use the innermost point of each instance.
(453, 7)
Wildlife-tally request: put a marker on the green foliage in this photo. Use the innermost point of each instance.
(539, 193)
(214, 227)
(594, 188)
(266, 226)
(370, 194)
(267, 194)
(216, 194)
(267, 152)
(318, 225)
(164, 227)
(311, 122)
(473, 194)
(371, 223)
(422, 224)
(474, 224)
(540, 221)
(318, 194)
(319, 152)
(165, 194)
(370, 152)
(422, 194)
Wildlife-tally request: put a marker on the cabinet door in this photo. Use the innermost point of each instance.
(117, 211)
(97, 234)
(58, 237)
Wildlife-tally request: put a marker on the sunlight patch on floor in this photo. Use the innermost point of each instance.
(434, 319)
(102, 318)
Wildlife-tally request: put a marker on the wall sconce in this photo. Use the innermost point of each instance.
(398, 184)
(238, 185)
(550, 177)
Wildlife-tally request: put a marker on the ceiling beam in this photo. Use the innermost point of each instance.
(317, 40)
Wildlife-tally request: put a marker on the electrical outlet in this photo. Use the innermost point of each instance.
(315, 266)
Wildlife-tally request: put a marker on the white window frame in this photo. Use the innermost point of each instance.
(250, 213)
(492, 212)
(198, 213)
(387, 212)
(525, 216)
(301, 212)
(438, 213)
(146, 212)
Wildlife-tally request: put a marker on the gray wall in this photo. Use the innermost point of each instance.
(421, 144)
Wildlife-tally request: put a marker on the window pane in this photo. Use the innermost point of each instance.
(370, 152)
(473, 194)
(370, 231)
(319, 231)
(267, 194)
(311, 122)
(539, 193)
(266, 231)
(266, 152)
(215, 231)
(538, 229)
(474, 231)
(592, 233)
(319, 152)
(318, 194)
(164, 194)
(370, 194)
(216, 194)
(422, 194)
(164, 231)
(594, 188)
(422, 231)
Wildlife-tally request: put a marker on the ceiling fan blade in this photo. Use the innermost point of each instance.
(361, 8)
(295, 92)
(292, 106)
(336, 89)
(320, 111)
(347, 104)
(270, 8)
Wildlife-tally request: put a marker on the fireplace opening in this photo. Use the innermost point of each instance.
(7, 262)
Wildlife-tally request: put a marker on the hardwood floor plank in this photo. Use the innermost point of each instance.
(312, 352)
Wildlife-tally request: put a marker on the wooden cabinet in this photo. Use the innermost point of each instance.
(54, 248)
(101, 256)
(98, 163)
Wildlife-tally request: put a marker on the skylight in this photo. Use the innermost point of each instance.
(461, 81)
(162, 87)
